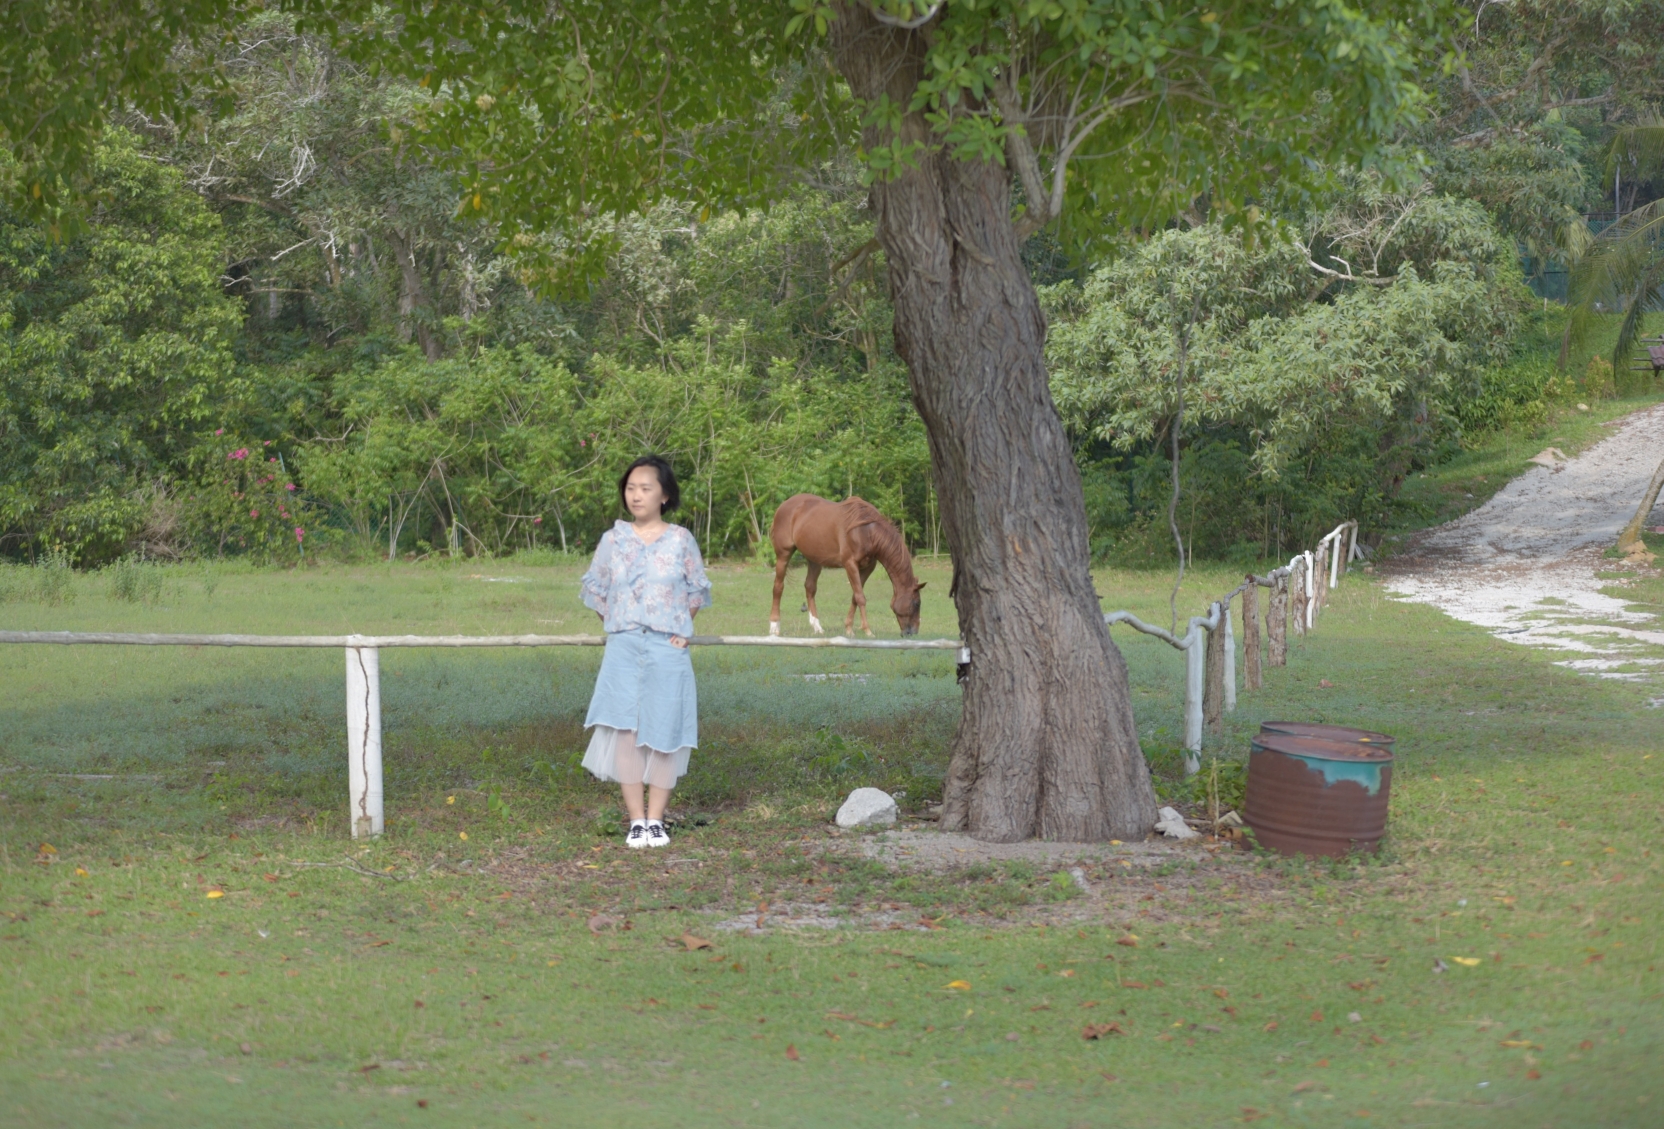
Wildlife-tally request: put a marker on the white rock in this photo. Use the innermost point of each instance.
(868, 807)
(1172, 825)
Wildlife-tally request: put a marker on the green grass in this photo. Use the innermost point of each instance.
(1525, 812)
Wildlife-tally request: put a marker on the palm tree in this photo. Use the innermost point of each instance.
(1623, 267)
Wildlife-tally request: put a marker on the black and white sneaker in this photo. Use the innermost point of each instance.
(636, 838)
(656, 834)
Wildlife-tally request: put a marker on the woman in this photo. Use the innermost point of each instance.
(647, 582)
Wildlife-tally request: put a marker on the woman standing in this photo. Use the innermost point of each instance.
(647, 582)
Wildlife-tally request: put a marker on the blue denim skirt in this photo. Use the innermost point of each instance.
(646, 684)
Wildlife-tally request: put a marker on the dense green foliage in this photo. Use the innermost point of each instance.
(115, 352)
(406, 377)
(1299, 412)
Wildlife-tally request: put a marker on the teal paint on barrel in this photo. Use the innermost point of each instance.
(1315, 796)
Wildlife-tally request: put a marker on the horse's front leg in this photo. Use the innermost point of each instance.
(849, 620)
(809, 585)
(782, 562)
(857, 599)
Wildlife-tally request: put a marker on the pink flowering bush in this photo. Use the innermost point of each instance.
(243, 503)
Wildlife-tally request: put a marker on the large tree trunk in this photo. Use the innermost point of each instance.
(414, 307)
(1046, 743)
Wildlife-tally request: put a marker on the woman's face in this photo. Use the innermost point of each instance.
(643, 495)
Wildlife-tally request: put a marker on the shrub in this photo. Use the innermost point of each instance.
(1597, 379)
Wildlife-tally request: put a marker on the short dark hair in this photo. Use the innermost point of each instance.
(667, 481)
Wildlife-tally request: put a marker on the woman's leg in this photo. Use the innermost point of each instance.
(657, 800)
(660, 775)
(631, 771)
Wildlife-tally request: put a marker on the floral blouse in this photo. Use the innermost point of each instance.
(657, 586)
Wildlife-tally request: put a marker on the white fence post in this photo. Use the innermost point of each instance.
(1195, 676)
(364, 738)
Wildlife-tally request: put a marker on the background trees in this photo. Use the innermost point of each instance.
(774, 326)
(115, 354)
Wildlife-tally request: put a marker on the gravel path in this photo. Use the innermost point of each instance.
(1524, 564)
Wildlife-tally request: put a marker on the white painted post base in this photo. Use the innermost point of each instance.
(364, 740)
(1195, 677)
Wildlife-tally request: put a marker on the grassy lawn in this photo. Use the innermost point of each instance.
(201, 944)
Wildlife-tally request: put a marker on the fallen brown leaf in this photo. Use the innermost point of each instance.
(601, 921)
(1099, 1030)
(1304, 1086)
(694, 943)
(791, 1051)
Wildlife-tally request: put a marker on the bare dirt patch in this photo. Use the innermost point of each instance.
(912, 878)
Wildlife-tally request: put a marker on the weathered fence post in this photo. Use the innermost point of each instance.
(1251, 679)
(1213, 689)
(1319, 576)
(364, 738)
(1230, 658)
(1308, 587)
(1297, 573)
(1276, 620)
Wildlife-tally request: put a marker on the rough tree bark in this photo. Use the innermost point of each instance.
(1046, 744)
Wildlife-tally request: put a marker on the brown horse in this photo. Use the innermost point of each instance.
(851, 535)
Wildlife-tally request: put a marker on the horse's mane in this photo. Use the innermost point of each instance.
(888, 544)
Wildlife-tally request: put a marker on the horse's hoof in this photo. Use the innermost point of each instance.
(774, 628)
(814, 624)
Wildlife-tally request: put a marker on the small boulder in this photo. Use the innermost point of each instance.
(868, 807)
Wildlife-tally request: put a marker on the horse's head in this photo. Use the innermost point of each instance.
(905, 603)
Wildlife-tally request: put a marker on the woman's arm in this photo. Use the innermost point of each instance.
(597, 582)
(694, 580)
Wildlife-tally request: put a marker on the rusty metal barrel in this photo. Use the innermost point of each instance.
(1315, 796)
(1327, 732)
